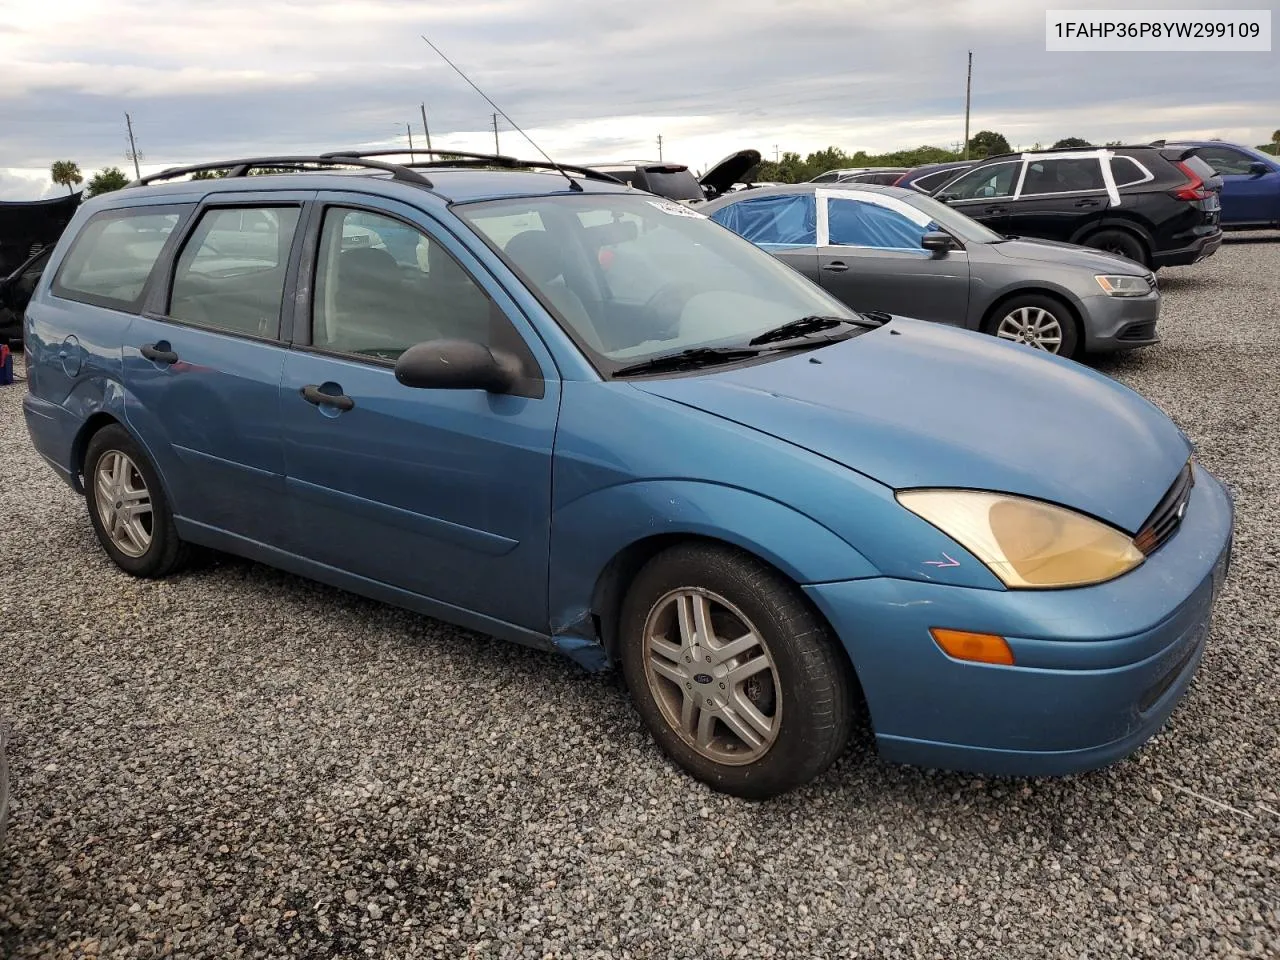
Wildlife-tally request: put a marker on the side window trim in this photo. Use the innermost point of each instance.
(532, 386)
(156, 304)
(1146, 175)
(184, 211)
(1017, 184)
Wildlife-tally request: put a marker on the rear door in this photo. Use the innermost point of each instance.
(786, 225)
(984, 193)
(203, 364)
(1058, 198)
(1249, 196)
(872, 258)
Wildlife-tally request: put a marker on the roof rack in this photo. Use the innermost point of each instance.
(241, 168)
(462, 158)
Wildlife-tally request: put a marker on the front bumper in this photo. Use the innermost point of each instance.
(1120, 323)
(1202, 249)
(1098, 669)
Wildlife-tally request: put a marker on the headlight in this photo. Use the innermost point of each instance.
(1027, 543)
(1123, 286)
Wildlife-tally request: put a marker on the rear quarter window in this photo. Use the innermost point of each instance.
(113, 256)
(1127, 172)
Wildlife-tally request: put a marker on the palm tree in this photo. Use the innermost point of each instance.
(66, 172)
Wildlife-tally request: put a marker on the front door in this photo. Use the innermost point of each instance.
(203, 366)
(872, 259)
(985, 193)
(443, 493)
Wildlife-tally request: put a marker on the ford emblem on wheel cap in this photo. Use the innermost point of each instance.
(702, 677)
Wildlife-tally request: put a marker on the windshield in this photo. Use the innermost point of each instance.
(633, 276)
(953, 221)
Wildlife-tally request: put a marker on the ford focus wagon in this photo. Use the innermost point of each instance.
(543, 405)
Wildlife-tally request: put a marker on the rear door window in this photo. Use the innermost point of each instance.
(230, 274)
(113, 256)
(777, 221)
(1066, 175)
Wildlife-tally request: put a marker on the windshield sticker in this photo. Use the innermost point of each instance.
(677, 210)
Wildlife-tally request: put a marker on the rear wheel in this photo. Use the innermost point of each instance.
(735, 675)
(1041, 322)
(1122, 243)
(127, 506)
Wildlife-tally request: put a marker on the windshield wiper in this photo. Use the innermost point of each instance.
(815, 324)
(690, 359)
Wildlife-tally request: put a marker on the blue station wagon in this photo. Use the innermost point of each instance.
(543, 405)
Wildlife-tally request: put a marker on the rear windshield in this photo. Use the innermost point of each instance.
(676, 184)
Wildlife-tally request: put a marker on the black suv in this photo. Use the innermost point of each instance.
(1156, 205)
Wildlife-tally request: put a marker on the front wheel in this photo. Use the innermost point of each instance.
(737, 678)
(1040, 322)
(127, 506)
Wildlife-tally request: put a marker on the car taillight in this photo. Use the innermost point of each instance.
(1194, 189)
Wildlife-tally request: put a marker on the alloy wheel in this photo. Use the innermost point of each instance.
(712, 676)
(1033, 326)
(124, 503)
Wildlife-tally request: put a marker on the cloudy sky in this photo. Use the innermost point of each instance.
(590, 81)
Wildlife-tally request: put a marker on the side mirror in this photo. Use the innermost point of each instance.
(938, 242)
(1258, 168)
(457, 365)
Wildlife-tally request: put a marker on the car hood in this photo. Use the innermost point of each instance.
(729, 171)
(1068, 254)
(915, 404)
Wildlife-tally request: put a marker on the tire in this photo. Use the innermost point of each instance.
(1042, 322)
(1121, 242)
(145, 543)
(802, 687)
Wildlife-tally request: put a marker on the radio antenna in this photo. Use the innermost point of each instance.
(574, 184)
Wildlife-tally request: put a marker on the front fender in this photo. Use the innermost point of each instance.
(589, 532)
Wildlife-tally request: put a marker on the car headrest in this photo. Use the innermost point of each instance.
(533, 253)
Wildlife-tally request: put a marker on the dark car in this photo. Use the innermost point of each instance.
(15, 291)
(28, 225)
(929, 176)
(1250, 183)
(1154, 205)
(676, 181)
(884, 175)
(900, 252)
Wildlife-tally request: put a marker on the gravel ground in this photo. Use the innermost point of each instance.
(238, 763)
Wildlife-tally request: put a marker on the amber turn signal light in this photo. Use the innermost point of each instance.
(977, 647)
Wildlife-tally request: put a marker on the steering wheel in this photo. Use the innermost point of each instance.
(666, 306)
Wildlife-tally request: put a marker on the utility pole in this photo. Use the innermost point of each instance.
(425, 128)
(776, 155)
(495, 134)
(133, 148)
(968, 92)
(659, 147)
(409, 131)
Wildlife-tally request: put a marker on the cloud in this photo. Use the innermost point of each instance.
(587, 80)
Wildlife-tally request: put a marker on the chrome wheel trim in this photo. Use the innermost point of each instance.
(124, 503)
(712, 676)
(1033, 326)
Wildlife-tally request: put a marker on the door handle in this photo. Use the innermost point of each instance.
(994, 209)
(159, 352)
(312, 394)
(1087, 203)
(835, 266)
